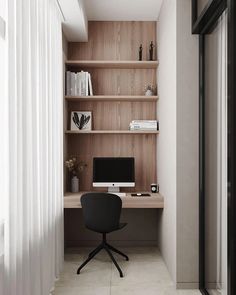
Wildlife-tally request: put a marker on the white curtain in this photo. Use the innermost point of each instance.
(33, 252)
(3, 135)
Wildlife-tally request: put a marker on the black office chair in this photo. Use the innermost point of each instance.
(102, 214)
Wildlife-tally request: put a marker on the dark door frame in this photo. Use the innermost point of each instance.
(204, 24)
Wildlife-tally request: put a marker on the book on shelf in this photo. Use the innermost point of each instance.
(82, 90)
(144, 121)
(78, 84)
(73, 84)
(68, 83)
(144, 125)
(90, 85)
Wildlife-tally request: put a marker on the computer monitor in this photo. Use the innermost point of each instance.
(113, 173)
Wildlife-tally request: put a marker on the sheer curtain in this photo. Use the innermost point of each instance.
(33, 234)
(3, 134)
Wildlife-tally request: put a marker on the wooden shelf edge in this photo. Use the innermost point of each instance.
(113, 132)
(114, 64)
(156, 195)
(72, 200)
(112, 98)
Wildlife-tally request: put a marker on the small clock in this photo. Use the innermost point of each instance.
(154, 188)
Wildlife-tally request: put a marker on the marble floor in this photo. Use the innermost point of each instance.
(144, 274)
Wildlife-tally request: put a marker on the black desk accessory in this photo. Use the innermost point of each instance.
(154, 188)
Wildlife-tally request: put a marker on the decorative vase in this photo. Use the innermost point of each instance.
(74, 184)
(148, 92)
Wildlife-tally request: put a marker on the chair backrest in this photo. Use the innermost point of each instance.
(101, 211)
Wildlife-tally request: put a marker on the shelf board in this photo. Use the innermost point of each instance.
(115, 64)
(72, 200)
(112, 98)
(113, 132)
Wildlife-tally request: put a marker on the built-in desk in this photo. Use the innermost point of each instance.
(72, 200)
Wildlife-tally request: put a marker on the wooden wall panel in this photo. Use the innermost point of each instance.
(120, 81)
(114, 115)
(114, 40)
(143, 148)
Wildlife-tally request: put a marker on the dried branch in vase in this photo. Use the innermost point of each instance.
(74, 166)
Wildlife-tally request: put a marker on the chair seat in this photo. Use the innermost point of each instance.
(120, 226)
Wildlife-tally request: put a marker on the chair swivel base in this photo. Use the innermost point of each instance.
(108, 248)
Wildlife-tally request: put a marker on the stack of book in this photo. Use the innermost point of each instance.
(78, 84)
(144, 125)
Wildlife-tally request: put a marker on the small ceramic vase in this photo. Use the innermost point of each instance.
(74, 184)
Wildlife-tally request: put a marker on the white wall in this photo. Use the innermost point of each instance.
(177, 148)
(166, 142)
(75, 23)
(187, 149)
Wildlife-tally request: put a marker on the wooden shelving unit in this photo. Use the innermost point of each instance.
(112, 132)
(113, 64)
(112, 98)
(119, 81)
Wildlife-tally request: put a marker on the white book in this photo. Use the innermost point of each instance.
(68, 83)
(80, 83)
(139, 128)
(83, 84)
(144, 121)
(90, 85)
(86, 83)
(77, 83)
(73, 84)
(143, 127)
(144, 124)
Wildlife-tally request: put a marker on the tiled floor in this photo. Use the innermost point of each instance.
(144, 274)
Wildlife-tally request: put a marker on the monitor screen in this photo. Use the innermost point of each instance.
(113, 170)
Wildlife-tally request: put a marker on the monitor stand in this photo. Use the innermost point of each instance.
(116, 191)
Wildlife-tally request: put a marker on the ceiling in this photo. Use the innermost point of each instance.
(76, 14)
(122, 10)
(75, 20)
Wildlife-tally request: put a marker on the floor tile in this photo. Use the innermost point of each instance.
(146, 267)
(82, 291)
(96, 273)
(145, 273)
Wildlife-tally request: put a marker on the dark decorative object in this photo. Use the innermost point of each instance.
(154, 188)
(151, 49)
(140, 52)
(81, 120)
(154, 90)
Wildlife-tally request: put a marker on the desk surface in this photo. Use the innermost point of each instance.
(72, 200)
